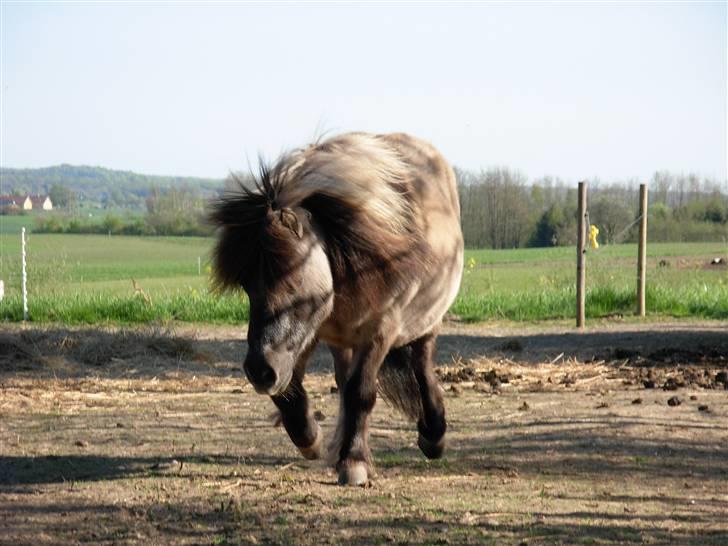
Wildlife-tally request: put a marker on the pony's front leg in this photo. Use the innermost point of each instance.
(296, 414)
(358, 396)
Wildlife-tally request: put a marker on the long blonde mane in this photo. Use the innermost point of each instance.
(357, 169)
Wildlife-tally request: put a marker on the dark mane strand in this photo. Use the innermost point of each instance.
(356, 251)
(239, 215)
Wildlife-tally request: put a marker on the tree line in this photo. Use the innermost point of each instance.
(84, 186)
(500, 208)
(172, 211)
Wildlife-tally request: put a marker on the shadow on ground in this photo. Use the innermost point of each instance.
(145, 352)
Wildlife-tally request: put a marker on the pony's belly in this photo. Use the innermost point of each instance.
(401, 318)
(424, 311)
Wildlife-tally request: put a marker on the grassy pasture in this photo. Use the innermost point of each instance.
(88, 278)
(11, 225)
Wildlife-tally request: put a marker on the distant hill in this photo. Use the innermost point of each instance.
(100, 185)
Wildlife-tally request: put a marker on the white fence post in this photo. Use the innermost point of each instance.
(25, 277)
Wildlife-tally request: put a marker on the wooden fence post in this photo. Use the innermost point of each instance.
(642, 252)
(581, 258)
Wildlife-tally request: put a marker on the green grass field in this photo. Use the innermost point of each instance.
(88, 279)
(11, 225)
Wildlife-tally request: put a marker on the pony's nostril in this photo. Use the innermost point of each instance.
(268, 377)
(262, 376)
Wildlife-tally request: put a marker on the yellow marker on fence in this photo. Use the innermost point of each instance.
(593, 232)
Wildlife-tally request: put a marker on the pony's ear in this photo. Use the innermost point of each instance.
(291, 221)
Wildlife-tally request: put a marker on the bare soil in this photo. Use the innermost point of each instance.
(614, 435)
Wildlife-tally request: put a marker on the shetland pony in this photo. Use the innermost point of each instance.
(354, 241)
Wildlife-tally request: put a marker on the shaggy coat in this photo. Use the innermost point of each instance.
(354, 241)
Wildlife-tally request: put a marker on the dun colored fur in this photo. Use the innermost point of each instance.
(354, 241)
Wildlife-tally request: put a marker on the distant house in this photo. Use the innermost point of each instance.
(40, 202)
(16, 202)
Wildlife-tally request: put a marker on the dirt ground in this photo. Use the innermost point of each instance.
(614, 435)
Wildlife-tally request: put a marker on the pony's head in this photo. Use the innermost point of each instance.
(333, 215)
(274, 253)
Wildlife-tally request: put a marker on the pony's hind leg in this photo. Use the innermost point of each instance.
(432, 424)
(296, 414)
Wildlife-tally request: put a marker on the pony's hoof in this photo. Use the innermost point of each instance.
(432, 450)
(314, 450)
(354, 474)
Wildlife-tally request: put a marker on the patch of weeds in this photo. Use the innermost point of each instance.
(641, 460)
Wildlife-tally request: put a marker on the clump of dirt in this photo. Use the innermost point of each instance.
(491, 376)
(673, 368)
(469, 373)
(675, 377)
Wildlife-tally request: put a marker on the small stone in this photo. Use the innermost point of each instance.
(672, 384)
(637, 401)
(704, 408)
(648, 384)
(334, 390)
(524, 407)
(81, 443)
(693, 397)
(674, 401)
(319, 415)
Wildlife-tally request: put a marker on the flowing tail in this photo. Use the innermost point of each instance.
(398, 384)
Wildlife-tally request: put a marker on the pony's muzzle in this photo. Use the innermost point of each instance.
(264, 377)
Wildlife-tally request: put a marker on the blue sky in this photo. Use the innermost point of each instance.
(614, 90)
